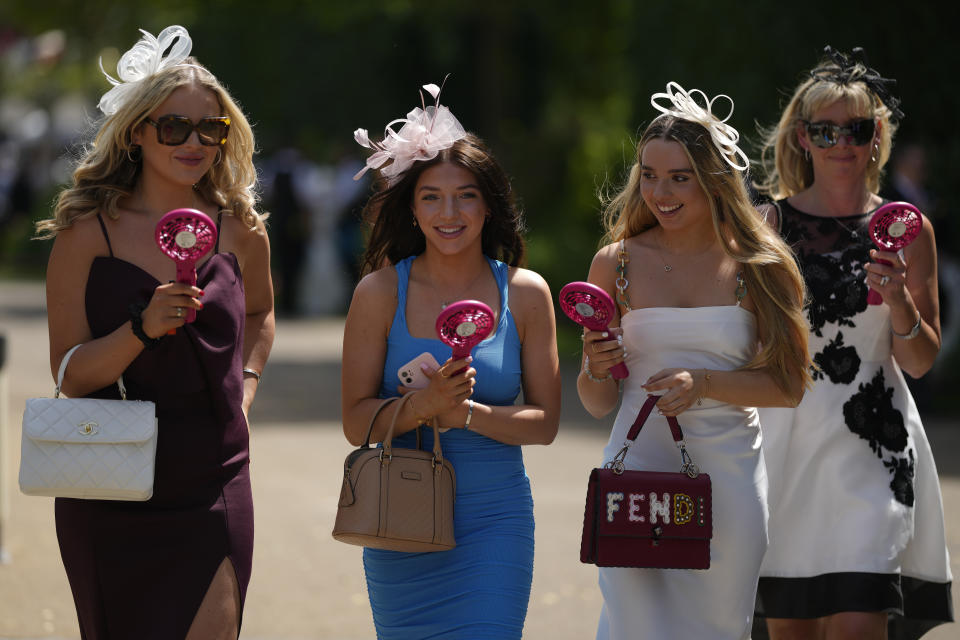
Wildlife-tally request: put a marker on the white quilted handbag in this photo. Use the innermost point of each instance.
(87, 447)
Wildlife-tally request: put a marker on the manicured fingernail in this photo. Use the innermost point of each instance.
(170, 281)
(469, 358)
(605, 334)
(201, 304)
(201, 293)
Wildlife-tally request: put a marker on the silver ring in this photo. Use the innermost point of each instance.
(884, 280)
(179, 312)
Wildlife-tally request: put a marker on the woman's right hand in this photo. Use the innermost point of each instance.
(168, 306)
(604, 349)
(447, 390)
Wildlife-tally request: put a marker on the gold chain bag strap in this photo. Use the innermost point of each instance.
(397, 499)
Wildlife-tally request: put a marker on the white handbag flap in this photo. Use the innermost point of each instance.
(89, 420)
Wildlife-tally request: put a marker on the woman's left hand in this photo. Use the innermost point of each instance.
(889, 280)
(682, 388)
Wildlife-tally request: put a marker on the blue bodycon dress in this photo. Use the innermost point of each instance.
(480, 588)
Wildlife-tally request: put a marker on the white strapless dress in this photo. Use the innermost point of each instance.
(724, 440)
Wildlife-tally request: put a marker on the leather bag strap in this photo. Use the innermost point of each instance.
(388, 440)
(373, 419)
(687, 465)
(63, 370)
(645, 410)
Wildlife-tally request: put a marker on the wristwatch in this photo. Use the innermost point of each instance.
(914, 330)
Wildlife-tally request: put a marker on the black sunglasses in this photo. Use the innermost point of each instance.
(827, 134)
(174, 130)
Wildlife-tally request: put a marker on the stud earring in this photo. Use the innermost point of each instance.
(876, 152)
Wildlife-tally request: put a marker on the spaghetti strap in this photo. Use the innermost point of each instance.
(216, 245)
(106, 236)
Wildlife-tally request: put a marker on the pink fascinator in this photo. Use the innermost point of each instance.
(425, 132)
(143, 60)
(682, 104)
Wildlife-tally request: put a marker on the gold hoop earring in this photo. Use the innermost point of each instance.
(219, 155)
(139, 154)
(806, 153)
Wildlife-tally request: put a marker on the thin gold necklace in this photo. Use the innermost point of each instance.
(459, 295)
(666, 267)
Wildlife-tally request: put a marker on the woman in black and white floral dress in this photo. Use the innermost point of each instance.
(856, 527)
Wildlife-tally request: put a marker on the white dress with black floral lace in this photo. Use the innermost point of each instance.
(855, 505)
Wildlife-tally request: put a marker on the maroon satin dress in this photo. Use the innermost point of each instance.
(141, 569)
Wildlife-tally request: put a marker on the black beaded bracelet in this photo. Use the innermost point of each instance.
(136, 324)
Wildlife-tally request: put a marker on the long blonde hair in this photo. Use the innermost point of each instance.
(787, 170)
(108, 171)
(769, 268)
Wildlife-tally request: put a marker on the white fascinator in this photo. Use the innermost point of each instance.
(682, 104)
(143, 60)
(426, 131)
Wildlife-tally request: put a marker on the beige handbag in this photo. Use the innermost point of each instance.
(397, 499)
(88, 447)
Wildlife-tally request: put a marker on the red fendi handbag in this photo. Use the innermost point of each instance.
(648, 519)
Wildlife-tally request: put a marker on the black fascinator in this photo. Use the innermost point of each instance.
(842, 68)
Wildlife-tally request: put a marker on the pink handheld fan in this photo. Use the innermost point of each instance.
(892, 227)
(463, 325)
(590, 306)
(186, 235)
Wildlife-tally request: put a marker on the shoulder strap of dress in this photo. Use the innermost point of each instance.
(106, 236)
(216, 245)
(621, 282)
(501, 272)
(403, 282)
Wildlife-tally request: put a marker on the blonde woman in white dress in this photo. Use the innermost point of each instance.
(709, 303)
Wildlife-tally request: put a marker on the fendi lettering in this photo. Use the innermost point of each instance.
(685, 509)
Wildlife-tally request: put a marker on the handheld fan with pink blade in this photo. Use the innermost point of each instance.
(590, 306)
(463, 325)
(892, 227)
(186, 235)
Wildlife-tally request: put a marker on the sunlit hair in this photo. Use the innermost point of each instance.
(771, 273)
(389, 212)
(106, 174)
(786, 167)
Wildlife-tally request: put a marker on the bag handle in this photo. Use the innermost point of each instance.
(373, 419)
(687, 466)
(387, 453)
(63, 370)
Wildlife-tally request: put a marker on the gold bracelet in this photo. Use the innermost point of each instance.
(416, 415)
(706, 386)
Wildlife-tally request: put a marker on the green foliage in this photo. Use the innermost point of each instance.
(559, 90)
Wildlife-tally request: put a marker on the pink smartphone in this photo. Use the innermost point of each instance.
(410, 374)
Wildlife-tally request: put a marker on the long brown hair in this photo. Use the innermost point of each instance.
(109, 169)
(770, 270)
(389, 210)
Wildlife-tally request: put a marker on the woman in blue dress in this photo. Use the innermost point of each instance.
(445, 227)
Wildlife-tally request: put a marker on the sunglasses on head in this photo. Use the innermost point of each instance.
(174, 130)
(827, 134)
